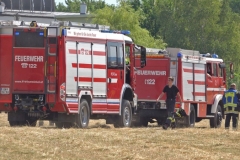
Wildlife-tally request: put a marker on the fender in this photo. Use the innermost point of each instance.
(84, 92)
(124, 87)
(218, 97)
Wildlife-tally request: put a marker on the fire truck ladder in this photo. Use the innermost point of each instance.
(51, 64)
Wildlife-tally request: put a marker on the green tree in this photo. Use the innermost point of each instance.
(235, 6)
(74, 5)
(123, 17)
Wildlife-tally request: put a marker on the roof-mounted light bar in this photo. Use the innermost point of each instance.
(210, 55)
(125, 32)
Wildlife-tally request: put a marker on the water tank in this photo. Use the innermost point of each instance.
(83, 8)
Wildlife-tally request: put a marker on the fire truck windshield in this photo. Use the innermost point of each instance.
(32, 39)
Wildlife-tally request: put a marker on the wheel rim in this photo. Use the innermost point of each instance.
(84, 116)
(126, 116)
(219, 116)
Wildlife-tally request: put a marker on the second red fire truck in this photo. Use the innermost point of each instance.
(201, 79)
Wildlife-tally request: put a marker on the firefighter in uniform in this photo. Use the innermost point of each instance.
(231, 106)
(171, 93)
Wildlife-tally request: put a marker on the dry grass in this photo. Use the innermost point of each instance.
(102, 141)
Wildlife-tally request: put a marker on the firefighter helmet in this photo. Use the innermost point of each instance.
(33, 24)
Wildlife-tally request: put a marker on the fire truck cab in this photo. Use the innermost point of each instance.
(66, 73)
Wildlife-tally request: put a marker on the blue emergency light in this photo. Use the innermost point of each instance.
(64, 32)
(16, 33)
(125, 32)
(214, 56)
(41, 34)
(179, 55)
(210, 55)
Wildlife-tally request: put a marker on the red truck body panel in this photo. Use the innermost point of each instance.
(5, 70)
(28, 71)
(151, 79)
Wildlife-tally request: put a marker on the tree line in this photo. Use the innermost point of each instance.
(209, 26)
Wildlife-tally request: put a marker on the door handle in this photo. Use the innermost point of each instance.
(45, 69)
(110, 80)
(55, 69)
(121, 74)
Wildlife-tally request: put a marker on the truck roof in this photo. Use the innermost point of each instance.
(85, 30)
(95, 35)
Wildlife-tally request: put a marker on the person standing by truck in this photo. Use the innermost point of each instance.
(231, 106)
(171, 92)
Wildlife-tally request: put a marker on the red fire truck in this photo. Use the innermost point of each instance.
(201, 80)
(66, 73)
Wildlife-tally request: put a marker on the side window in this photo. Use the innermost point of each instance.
(115, 55)
(112, 56)
(209, 69)
(215, 69)
(120, 57)
(220, 72)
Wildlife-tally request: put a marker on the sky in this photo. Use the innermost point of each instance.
(107, 1)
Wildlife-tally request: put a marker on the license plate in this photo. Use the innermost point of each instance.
(5, 90)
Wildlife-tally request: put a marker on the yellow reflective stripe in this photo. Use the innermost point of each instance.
(231, 95)
(179, 115)
(234, 112)
(230, 105)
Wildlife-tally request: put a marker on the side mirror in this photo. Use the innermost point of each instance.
(143, 57)
(231, 70)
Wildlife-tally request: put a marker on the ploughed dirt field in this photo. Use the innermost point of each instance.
(101, 141)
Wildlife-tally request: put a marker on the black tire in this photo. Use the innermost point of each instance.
(13, 123)
(17, 123)
(68, 125)
(161, 121)
(59, 124)
(17, 119)
(191, 119)
(83, 116)
(125, 120)
(143, 122)
(198, 119)
(216, 121)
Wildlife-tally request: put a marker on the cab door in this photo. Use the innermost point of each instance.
(115, 74)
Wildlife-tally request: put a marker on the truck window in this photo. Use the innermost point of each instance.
(120, 56)
(220, 73)
(112, 56)
(29, 39)
(115, 55)
(215, 69)
(209, 69)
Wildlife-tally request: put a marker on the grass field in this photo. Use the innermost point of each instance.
(103, 141)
